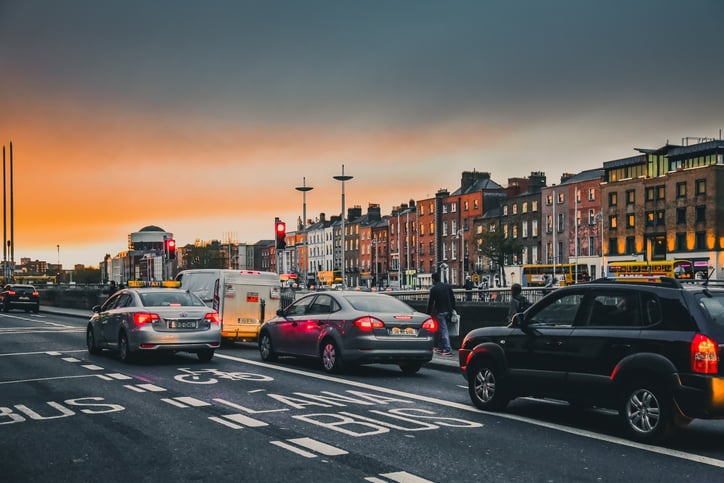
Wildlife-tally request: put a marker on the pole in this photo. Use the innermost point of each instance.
(12, 217)
(554, 237)
(399, 251)
(304, 188)
(343, 178)
(575, 280)
(5, 235)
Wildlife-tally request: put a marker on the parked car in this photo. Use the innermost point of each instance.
(350, 327)
(19, 296)
(650, 350)
(134, 321)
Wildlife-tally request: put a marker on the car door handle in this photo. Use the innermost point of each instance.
(621, 346)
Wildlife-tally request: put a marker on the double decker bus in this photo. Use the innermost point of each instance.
(565, 274)
(681, 269)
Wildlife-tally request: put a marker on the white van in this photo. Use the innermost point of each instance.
(244, 298)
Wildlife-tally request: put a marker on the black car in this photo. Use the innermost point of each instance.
(649, 350)
(18, 296)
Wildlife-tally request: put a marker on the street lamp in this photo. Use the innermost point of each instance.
(599, 217)
(304, 188)
(343, 178)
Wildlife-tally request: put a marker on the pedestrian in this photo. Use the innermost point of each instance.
(112, 288)
(469, 288)
(440, 305)
(518, 302)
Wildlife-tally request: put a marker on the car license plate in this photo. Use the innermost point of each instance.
(403, 331)
(24, 298)
(175, 324)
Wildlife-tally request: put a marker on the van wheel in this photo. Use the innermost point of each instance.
(266, 349)
(648, 413)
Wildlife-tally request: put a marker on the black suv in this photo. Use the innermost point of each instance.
(649, 350)
(17, 296)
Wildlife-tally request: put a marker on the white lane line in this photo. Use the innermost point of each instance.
(17, 381)
(70, 359)
(104, 377)
(133, 388)
(93, 367)
(465, 407)
(404, 477)
(226, 423)
(51, 353)
(151, 387)
(245, 420)
(174, 402)
(119, 376)
(293, 449)
(193, 402)
(318, 446)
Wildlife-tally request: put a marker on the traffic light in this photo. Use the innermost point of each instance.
(281, 232)
(170, 249)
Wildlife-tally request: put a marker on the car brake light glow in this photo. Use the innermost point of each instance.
(403, 317)
(368, 323)
(11, 292)
(141, 318)
(430, 325)
(35, 294)
(704, 359)
(213, 317)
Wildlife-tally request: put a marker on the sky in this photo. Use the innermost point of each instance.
(202, 117)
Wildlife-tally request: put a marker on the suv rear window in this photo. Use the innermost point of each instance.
(714, 306)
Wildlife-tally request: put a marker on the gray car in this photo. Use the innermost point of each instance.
(347, 328)
(144, 320)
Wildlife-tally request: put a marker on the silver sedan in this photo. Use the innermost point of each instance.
(137, 320)
(350, 328)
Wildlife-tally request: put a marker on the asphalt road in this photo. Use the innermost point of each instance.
(69, 416)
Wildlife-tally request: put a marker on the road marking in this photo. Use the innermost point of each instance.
(119, 376)
(70, 359)
(226, 423)
(93, 367)
(185, 402)
(318, 446)
(245, 420)
(152, 388)
(17, 381)
(293, 449)
(399, 476)
(470, 408)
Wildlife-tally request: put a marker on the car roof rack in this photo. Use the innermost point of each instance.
(658, 281)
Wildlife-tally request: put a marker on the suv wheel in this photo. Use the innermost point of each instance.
(648, 413)
(487, 387)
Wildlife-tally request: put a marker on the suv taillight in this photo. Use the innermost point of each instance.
(704, 359)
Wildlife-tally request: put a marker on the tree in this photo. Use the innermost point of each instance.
(494, 246)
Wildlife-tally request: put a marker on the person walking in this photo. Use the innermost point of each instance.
(518, 302)
(440, 305)
(469, 288)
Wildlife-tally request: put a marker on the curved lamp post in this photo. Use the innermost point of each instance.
(343, 178)
(304, 188)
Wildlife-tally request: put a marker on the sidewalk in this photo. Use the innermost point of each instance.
(448, 363)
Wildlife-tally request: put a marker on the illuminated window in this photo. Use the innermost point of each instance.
(534, 206)
(681, 190)
(525, 207)
(612, 222)
(630, 197)
(591, 194)
(700, 186)
(612, 199)
(630, 220)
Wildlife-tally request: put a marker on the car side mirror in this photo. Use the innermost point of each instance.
(96, 308)
(520, 321)
(280, 312)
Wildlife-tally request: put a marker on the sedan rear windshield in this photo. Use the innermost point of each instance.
(169, 299)
(714, 305)
(378, 303)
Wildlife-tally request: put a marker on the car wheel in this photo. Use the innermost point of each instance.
(205, 355)
(410, 368)
(331, 356)
(36, 309)
(648, 413)
(6, 307)
(487, 387)
(266, 349)
(124, 349)
(90, 341)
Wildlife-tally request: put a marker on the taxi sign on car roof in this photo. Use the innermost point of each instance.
(153, 283)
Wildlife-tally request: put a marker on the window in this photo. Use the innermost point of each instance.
(649, 218)
(505, 231)
(561, 198)
(444, 208)
(524, 229)
(453, 207)
(700, 216)
(549, 200)
(444, 228)
(431, 231)
(660, 217)
(630, 220)
(613, 246)
(591, 217)
(422, 229)
(549, 224)
(505, 210)
(612, 199)
(465, 206)
(422, 209)
(534, 227)
(559, 312)
(661, 192)
(650, 193)
(630, 244)
(591, 246)
(681, 242)
(630, 197)
(612, 222)
(515, 231)
(681, 190)
(534, 206)
(591, 194)
(432, 209)
(700, 186)
(515, 208)
(475, 204)
(699, 240)
(525, 207)
(560, 222)
(681, 216)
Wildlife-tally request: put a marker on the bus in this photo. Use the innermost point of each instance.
(565, 274)
(681, 269)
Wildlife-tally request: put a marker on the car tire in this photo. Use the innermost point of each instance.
(90, 341)
(36, 309)
(124, 349)
(205, 355)
(331, 356)
(266, 348)
(648, 413)
(486, 386)
(6, 307)
(410, 368)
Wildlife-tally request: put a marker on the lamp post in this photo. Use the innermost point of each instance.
(343, 178)
(375, 242)
(459, 234)
(599, 217)
(304, 188)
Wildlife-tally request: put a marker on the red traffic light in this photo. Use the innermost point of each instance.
(281, 228)
(281, 232)
(170, 249)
